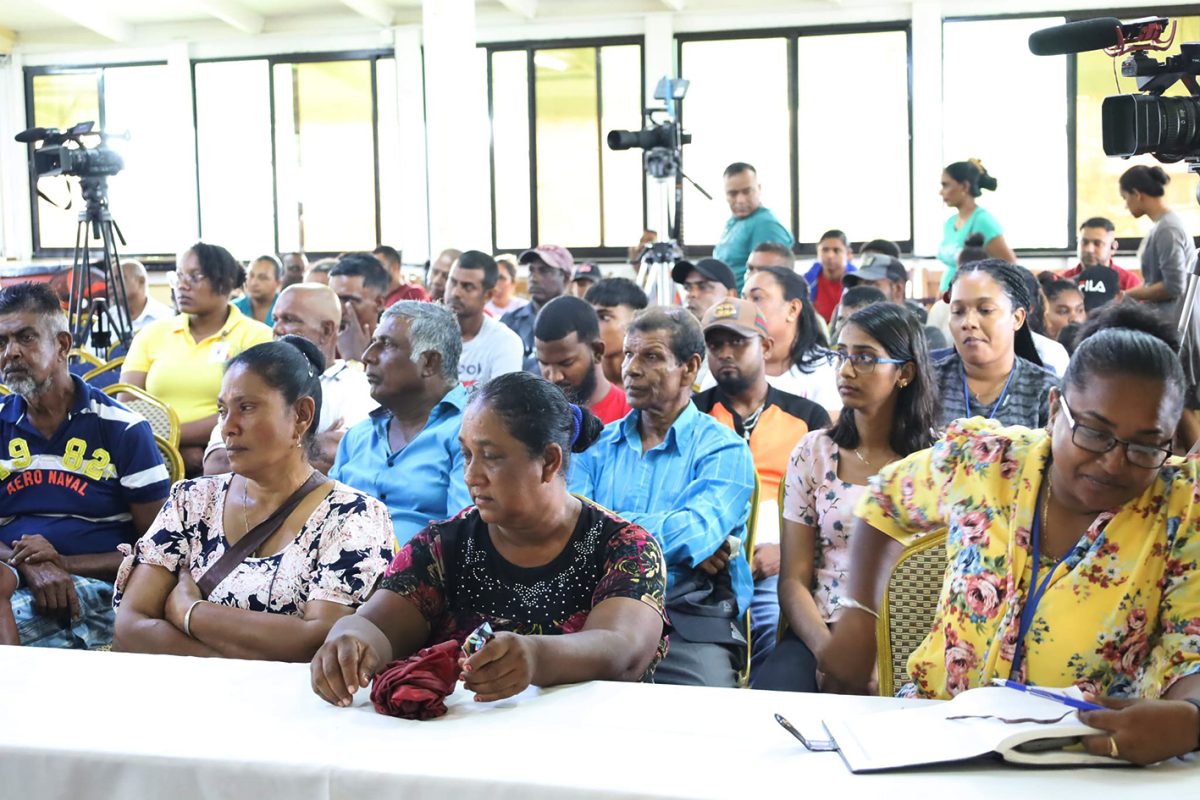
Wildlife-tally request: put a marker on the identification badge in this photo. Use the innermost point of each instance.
(219, 353)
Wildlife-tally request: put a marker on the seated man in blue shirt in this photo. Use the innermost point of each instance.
(407, 453)
(687, 479)
(79, 476)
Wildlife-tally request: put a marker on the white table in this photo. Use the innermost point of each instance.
(115, 725)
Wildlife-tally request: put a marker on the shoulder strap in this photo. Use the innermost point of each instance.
(256, 536)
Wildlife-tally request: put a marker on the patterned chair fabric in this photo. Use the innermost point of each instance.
(164, 422)
(908, 607)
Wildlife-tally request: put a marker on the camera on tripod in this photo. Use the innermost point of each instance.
(55, 157)
(662, 141)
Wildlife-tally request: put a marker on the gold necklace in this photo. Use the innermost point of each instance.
(868, 463)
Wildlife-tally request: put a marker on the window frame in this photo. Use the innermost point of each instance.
(530, 47)
(793, 35)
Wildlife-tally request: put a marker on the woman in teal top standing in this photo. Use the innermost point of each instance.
(962, 182)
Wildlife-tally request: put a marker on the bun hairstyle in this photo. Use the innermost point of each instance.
(292, 366)
(972, 173)
(973, 250)
(1150, 181)
(1054, 286)
(1126, 338)
(536, 413)
(1016, 287)
(223, 271)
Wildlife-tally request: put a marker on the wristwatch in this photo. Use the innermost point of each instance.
(1196, 702)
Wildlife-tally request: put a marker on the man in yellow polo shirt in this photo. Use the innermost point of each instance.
(181, 360)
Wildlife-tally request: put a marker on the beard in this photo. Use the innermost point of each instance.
(581, 394)
(734, 384)
(25, 385)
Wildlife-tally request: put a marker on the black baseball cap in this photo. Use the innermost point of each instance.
(711, 268)
(877, 267)
(587, 271)
(1098, 285)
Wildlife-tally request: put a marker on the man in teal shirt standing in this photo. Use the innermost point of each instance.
(750, 225)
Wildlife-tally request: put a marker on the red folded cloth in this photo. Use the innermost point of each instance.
(417, 687)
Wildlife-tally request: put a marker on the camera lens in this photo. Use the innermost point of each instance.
(1168, 127)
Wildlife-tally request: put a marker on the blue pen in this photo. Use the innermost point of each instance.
(1082, 705)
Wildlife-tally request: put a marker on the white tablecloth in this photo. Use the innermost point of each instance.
(115, 725)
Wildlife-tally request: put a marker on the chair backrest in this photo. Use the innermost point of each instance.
(907, 610)
(106, 374)
(172, 458)
(164, 422)
(78, 356)
(748, 552)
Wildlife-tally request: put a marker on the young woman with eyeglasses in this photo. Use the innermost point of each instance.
(889, 401)
(1073, 551)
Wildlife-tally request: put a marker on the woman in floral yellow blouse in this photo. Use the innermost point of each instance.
(1074, 552)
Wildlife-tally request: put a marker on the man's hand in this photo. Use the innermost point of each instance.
(35, 549)
(766, 561)
(717, 562)
(504, 667)
(327, 446)
(52, 588)
(354, 336)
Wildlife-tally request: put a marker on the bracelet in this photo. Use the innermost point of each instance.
(850, 602)
(187, 618)
(1196, 703)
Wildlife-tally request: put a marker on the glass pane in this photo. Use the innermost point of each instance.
(1008, 96)
(510, 146)
(152, 158)
(621, 107)
(235, 159)
(391, 179)
(861, 134)
(60, 101)
(325, 159)
(1096, 191)
(568, 147)
(734, 118)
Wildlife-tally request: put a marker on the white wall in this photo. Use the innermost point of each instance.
(427, 153)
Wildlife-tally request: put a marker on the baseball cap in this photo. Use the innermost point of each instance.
(711, 268)
(552, 255)
(587, 271)
(740, 316)
(1098, 285)
(877, 267)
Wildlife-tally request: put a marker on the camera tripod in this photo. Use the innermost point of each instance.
(96, 317)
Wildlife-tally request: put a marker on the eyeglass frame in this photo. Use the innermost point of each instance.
(175, 278)
(1075, 425)
(837, 355)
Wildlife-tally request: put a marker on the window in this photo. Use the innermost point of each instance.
(114, 99)
(1004, 106)
(236, 195)
(854, 170)
(734, 116)
(587, 198)
(1097, 194)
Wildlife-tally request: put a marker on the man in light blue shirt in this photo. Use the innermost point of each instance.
(687, 479)
(751, 223)
(407, 452)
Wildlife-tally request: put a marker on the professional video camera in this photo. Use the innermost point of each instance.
(93, 316)
(54, 157)
(1132, 124)
(662, 141)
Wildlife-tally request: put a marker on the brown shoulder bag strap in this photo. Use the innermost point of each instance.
(256, 536)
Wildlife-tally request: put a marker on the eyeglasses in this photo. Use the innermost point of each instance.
(175, 278)
(863, 363)
(1146, 456)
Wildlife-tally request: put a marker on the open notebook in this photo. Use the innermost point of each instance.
(1018, 727)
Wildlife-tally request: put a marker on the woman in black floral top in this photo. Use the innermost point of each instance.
(529, 558)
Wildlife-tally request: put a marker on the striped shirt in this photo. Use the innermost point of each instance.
(75, 487)
(1025, 401)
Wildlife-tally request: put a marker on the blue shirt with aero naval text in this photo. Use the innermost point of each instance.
(421, 482)
(75, 487)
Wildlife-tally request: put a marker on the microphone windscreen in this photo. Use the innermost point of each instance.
(1075, 37)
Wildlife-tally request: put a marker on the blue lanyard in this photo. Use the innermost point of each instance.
(1036, 590)
(967, 392)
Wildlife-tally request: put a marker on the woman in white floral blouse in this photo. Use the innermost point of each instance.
(281, 600)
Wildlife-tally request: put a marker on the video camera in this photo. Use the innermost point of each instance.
(55, 157)
(1132, 124)
(662, 141)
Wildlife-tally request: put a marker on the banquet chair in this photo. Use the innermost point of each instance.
(106, 374)
(164, 422)
(748, 551)
(80, 361)
(171, 458)
(907, 608)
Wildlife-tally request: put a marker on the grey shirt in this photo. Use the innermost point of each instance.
(1024, 402)
(1167, 255)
